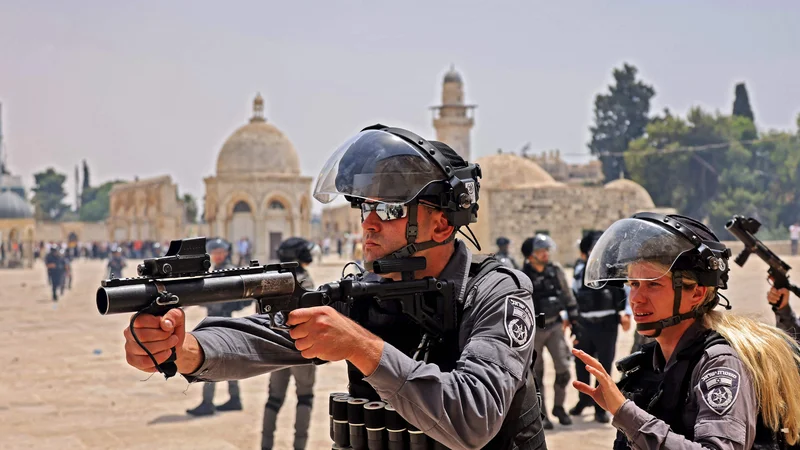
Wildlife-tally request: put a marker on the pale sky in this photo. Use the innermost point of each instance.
(153, 88)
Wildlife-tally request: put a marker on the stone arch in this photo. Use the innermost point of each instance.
(278, 221)
(233, 199)
(239, 219)
(277, 197)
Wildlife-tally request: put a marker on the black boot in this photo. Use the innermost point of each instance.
(546, 424)
(563, 417)
(234, 404)
(601, 416)
(577, 410)
(205, 409)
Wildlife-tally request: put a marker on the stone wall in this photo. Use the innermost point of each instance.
(564, 212)
(145, 209)
(60, 231)
(338, 220)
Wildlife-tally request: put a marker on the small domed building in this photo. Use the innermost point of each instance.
(518, 199)
(640, 195)
(258, 191)
(17, 230)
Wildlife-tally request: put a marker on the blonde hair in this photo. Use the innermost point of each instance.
(772, 359)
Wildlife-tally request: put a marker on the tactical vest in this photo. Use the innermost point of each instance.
(667, 396)
(522, 428)
(546, 291)
(590, 300)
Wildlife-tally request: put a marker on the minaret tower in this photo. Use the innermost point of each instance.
(453, 120)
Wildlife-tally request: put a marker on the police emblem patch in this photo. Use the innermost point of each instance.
(518, 322)
(720, 388)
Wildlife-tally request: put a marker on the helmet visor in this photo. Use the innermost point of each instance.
(633, 249)
(541, 241)
(378, 166)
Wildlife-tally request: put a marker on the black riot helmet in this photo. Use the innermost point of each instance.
(502, 241)
(217, 243)
(295, 249)
(392, 165)
(672, 243)
(587, 243)
(537, 242)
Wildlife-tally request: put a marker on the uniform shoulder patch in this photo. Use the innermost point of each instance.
(519, 323)
(720, 388)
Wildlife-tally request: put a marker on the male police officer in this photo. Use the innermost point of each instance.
(116, 263)
(502, 253)
(551, 296)
(473, 389)
(55, 270)
(219, 250)
(298, 250)
(598, 321)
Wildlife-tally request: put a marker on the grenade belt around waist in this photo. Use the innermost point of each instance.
(358, 424)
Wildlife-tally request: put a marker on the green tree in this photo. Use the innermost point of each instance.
(96, 204)
(49, 195)
(619, 117)
(86, 183)
(703, 166)
(189, 208)
(741, 103)
(781, 175)
(691, 163)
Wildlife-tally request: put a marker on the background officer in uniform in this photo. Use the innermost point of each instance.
(116, 263)
(472, 390)
(785, 318)
(502, 254)
(298, 250)
(66, 279)
(551, 296)
(219, 250)
(55, 270)
(598, 321)
(695, 386)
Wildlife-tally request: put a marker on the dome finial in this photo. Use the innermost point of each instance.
(452, 76)
(258, 109)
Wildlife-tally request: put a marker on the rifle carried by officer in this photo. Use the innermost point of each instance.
(745, 229)
(182, 278)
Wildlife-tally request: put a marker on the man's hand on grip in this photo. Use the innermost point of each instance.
(159, 334)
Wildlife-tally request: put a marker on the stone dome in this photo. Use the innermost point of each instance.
(258, 147)
(12, 206)
(642, 196)
(507, 170)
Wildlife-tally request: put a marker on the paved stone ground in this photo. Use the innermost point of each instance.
(65, 383)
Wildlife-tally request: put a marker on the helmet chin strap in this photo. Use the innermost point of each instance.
(677, 317)
(412, 230)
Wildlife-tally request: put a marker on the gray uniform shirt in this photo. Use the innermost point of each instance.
(722, 404)
(567, 296)
(464, 408)
(787, 321)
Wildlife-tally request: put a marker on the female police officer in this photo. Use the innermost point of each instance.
(711, 380)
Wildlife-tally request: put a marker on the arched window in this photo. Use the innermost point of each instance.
(275, 204)
(241, 206)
